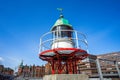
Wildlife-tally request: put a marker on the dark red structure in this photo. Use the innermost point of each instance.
(63, 47)
(64, 61)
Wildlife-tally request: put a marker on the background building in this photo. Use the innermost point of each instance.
(108, 64)
(33, 71)
(111, 56)
(6, 73)
(88, 65)
(48, 69)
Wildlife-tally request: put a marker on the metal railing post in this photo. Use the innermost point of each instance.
(76, 39)
(99, 69)
(117, 68)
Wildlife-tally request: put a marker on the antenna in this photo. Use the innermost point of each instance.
(61, 11)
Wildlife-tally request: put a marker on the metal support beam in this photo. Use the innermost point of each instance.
(76, 35)
(118, 70)
(99, 69)
(53, 69)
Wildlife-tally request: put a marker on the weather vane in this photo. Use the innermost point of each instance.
(61, 10)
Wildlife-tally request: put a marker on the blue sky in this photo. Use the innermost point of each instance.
(22, 22)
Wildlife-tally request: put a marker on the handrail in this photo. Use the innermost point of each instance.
(50, 38)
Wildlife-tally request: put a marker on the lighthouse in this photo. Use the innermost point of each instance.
(62, 47)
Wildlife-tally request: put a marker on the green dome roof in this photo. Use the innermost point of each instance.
(61, 21)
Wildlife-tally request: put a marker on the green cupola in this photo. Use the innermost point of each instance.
(62, 22)
(62, 27)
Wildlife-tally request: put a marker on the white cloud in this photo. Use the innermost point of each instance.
(1, 59)
(12, 62)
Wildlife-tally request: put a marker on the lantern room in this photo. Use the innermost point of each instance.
(63, 33)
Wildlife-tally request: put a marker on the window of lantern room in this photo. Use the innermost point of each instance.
(63, 31)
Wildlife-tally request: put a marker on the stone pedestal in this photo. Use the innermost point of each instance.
(66, 77)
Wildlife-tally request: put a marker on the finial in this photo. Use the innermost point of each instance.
(21, 64)
(60, 10)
